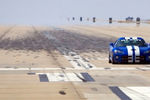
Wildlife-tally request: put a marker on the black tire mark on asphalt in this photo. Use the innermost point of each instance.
(7, 31)
(79, 43)
(48, 50)
(35, 42)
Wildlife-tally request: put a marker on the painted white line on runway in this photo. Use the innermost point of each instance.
(112, 68)
(137, 93)
(45, 68)
(5, 69)
(73, 77)
(26, 69)
(144, 68)
(123, 68)
(58, 77)
(61, 76)
(142, 90)
(54, 77)
(51, 77)
(97, 58)
(81, 68)
(76, 60)
(102, 58)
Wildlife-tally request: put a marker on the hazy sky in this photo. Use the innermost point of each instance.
(46, 11)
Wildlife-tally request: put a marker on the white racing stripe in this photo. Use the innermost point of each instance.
(134, 38)
(130, 53)
(137, 53)
(127, 38)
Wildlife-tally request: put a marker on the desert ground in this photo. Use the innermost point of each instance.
(69, 63)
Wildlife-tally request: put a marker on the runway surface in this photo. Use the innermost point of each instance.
(68, 63)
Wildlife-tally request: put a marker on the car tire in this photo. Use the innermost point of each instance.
(109, 59)
(113, 62)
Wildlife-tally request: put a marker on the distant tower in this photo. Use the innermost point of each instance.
(68, 19)
(73, 18)
(88, 19)
(94, 19)
(110, 20)
(81, 19)
(138, 20)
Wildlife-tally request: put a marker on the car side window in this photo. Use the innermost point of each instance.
(120, 43)
(115, 42)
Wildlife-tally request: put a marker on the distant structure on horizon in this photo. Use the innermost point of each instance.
(88, 19)
(129, 19)
(110, 20)
(81, 19)
(138, 20)
(94, 19)
(73, 18)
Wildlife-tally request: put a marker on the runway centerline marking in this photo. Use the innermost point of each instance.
(137, 93)
(65, 77)
(100, 68)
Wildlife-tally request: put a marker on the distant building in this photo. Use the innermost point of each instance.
(138, 20)
(73, 18)
(88, 19)
(81, 19)
(68, 19)
(110, 20)
(129, 19)
(94, 19)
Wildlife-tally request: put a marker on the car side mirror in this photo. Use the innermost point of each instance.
(147, 44)
(111, 44)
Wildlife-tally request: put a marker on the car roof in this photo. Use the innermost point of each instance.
(122, 38)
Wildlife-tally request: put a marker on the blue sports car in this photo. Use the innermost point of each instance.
(129, 50)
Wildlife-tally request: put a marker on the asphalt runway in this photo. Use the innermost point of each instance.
(52, 63)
